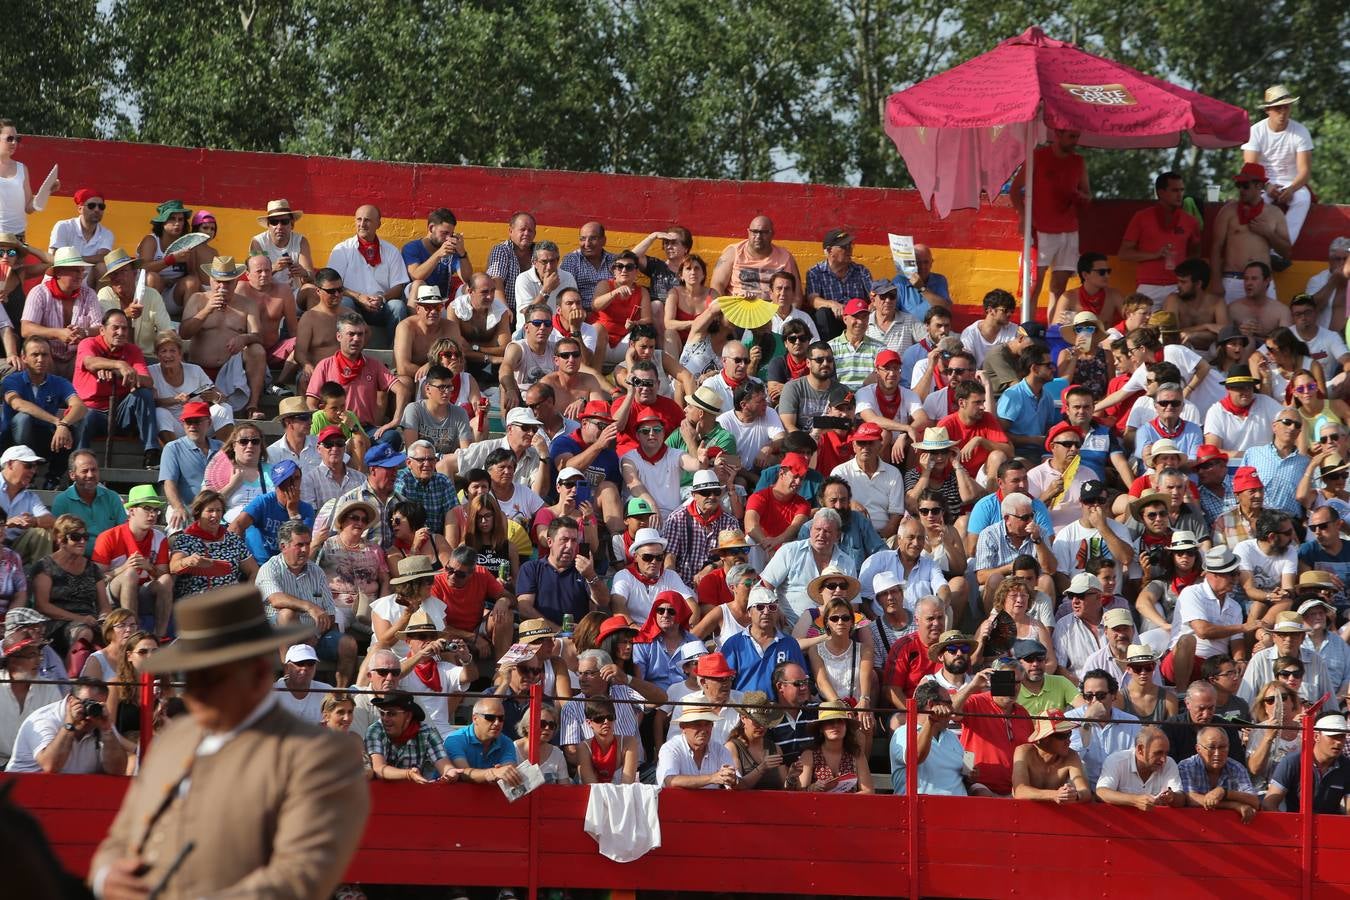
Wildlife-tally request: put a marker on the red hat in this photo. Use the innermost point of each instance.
(855, 306)
(1205, 452)
(613, 624)
(886, 358)
(1251, 171)
(647, 414)
(867, 431)
(596, 409)
(1057, 431)
(1246, 479)
(195, 410)
(331, 431)
(713, 665)
(83, 194)
(796, 464)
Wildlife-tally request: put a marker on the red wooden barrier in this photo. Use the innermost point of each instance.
(753, 842)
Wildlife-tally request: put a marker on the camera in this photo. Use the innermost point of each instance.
(93, 709)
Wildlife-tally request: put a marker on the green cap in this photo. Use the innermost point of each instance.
(144, 495)
(638, 507)
(169, 208)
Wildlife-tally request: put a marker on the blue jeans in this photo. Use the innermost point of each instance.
(36, 434)
(135, 411)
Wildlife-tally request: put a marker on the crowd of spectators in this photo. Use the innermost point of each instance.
(737, 517)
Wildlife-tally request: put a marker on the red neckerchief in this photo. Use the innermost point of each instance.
(403, 548)
(654, 458)
(348, 370)
(732, 384)
(198, 531)
(1247, 213)
(1148, 539)
(1184, 581)
(1228, 404)
(795, 369)
(698, 516)
(561, 327)
(408, 734)
(56, 292)
(1093, 303)
(649, 582)
(1164, 431)
(888, 408)
(429, 674)
(1158, 355)
(370, 251)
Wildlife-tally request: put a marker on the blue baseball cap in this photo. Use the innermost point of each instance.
(385, 456)
(882, 286)
(283, 471)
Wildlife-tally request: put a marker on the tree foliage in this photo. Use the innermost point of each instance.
(746, 89)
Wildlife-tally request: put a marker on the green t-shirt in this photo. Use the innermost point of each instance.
(718, 437)
(1057, 692)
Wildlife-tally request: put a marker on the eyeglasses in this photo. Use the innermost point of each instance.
(332, 444)
(835, 585)
(1167, 404)
(736, 359)
(666, 611)
(547, 723)
(13, 139)
(1026, 518)
(570, 484)
(1322, 526)
(795, 338)
(92, 205)
(623, 267)
(1155, 515)
(569, 354)
(649, 557)
(1142, 667)
(1328, 438)
(708, 492)
(768, 607)
(821, 360)
(1103, 271)
(839, 619)
(652, 430)
(958, 370)
(358, 518)
(1289, 673)
(491, 717)
(1305, 389)
(1291, 422)
(248, 441)
(1228, 673)
(77, 537)
(1074, 444)
(540, 323)
(280, 220)
(439, 387)
(958, 648)
(601, 720)
(930, 510)
(422, 459)
(385, 672)
(457, 574)
(450, 354)
(798, 682)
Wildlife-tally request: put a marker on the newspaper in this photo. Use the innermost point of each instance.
(902, 254)
(532, 777)
(44, 193)
(518, 653)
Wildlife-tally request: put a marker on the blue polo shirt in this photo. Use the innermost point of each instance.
(184, 463)
(1024, 412)
(53, 395)
(104, 513)
(268, 515)
(754, 670)
(989, 509)
(656, 665)
(463, 744)
(556, 594)
(909, 299)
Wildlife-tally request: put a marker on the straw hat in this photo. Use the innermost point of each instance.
(757, 709)
(1067, 334)
(420, 626)
(832, 710)
(280, 208)
(68, 258)
(935, 439)
(414, 568)
(1053, 724)
(1277, 95)
(116, 259)
(830, 573)
(224, 268)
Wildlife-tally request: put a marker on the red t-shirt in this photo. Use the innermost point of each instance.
(92, 391)
(615, 316)
(1055, 191)
(1141, 484)
(993, 740)
(907, 664)
(464, 605)
(1150, 229)
(775, 515)
(1116, 416)
(833, 448)
(114, 546)
(713, 590)
(669, 411)
(987, 427)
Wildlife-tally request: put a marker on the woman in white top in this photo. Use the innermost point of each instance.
(176, 382)
(390, 614)
(119, 624)
(16, 193)
(1282, 357)
(731, 618)
(552, 762)
(842, 666)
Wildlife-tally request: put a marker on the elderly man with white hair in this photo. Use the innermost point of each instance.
(911, 566)
(380, 674)
(798, 563)
(636, 585)
(998, 546)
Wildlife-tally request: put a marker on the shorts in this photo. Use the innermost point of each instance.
(277, 353)
(1233, 289)
(1155, 292)
(1057, 251)
(1168, 672)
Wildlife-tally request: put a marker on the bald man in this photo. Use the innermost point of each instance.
(744, 268)
(373, 273)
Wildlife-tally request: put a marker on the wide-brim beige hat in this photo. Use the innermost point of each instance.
(224, 268)
(280, 208)
(222, 626)
(1277, 95)
(68, 258)
(830, 573)
(414, 568)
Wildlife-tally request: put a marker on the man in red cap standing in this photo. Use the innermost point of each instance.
(1246, 230)
(774, 515)
(854, 352)
(590, 449)
(895, 409)
(878, 486)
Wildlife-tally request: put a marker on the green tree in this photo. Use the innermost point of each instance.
(55, 68)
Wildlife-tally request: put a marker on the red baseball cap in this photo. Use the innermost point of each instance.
(713, 665)
(1058, 430)
(596, 409)
(1206, 452)
(867, 431)
(856, 306)
(331, 431)
(796, 464)
(648, 414)
(1246, 479)
(887, 358)
(195, 410)
(1251, 171)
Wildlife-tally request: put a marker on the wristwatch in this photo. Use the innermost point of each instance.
(474, 347)
(67, 726)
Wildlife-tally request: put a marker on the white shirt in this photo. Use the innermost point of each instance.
(308, 708)
(528, 288)
(1267, 571)
(68, 233)
(11, 716)
(910, 403)
(1075, 641)
(307, 459)
(387, 608)
(1326, 348)
(1119, 773)
(1237, 434)
(660, 478)
(438, 708)
(777, 322)
(973, 341)
(924, 579)
(1206, 394)
(1279, 149)
(1315, 284)
(1198, 602)
(363, 278)
(1261, 669)
(718, 385)
(882, 493)
(935, 404)
(1068, 510)
(639, 596)
(727, 719)
(754, 436)
(1069, 541)
(677, 759)
(40, 729)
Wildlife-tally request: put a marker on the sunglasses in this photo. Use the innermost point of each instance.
(1073, 444)
(1142, 667)
(958, 370)
(601, 720)
(649, 557)
(1295, 423)
(334, 445)
(332, 292)
(958, 648)
(1104, 271)
(795, 338)
(835, 585)
(623, 267)
(1289, 673)
(1306, 389)
(540, 323)
(1322, 526)
(798, 682)
(1085, 329)
(96, 206)
(930, 511)
(820, 359)
(386, 672)
(1167, 404)
(1155, 515)
(568, 354)
(768, 607)
(358, 518)
(78, 537)
(13, 139)
(708, 492)
(657, 430)
(1034, 658)
(248, 441)
(838, 619)
(491, 717)
(1026, 518)
(666, 611)
(1096, 695)
(457, 574)
(547, 723)
(280, 220)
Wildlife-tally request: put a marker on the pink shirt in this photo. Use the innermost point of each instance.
(44, 309)
(361, 392)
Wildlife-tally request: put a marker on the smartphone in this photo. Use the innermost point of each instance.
(825, 423)
(584, 492)
(1003, 683)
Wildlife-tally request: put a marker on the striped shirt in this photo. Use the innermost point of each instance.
(587, 275)
(1279, 474)
(573, 728)
(852, 364)
(422, 752)
(905, 330)
(311, 585)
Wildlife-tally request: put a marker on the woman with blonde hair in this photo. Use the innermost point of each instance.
(552, 762)
(238, 471)
(176, 382)
(117, 627)
(1014, 597)
(68, 587)
(1278, 706)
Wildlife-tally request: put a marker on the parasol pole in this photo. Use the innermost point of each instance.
(1028, 301)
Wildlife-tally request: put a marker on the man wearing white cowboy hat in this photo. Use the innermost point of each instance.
(45, 315)
(373, 273)
(145, 308)
(1287, 638)
(1284, 147)
(310, 794)
(693, 532)
(636, 585)
(226, 331)
(290, 264)
(1208, 620)
(1046, 767)
(426, 325)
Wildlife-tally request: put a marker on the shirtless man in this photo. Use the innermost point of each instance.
(1246, 229)
(289, 261)
(1046, 768)
(571, 386)
(484, 323)
(1200, 314)
(1258, 313)
(315, 337)
(222, 324)
(274, 307)
(414, 335)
